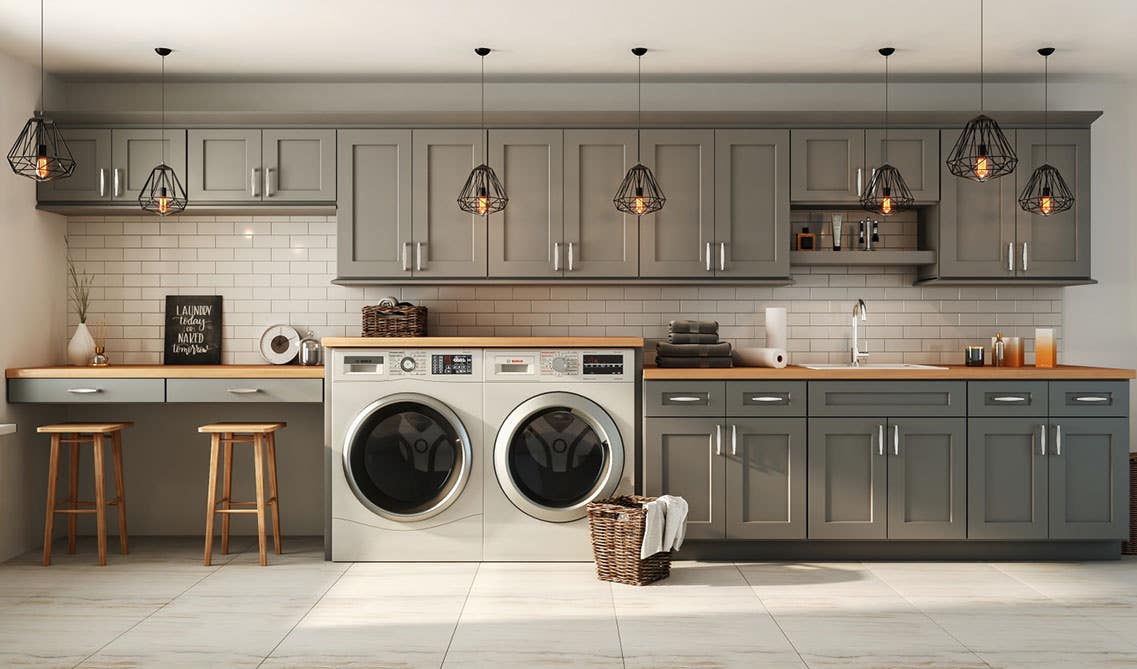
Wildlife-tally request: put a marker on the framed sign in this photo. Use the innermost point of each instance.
(193, 330)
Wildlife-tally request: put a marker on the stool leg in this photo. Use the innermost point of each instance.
(258, 467)
(272, 492)
(227, 493)
(211, 497)
(73, 495)
(100, 501)
(120, 492)
(52, 476)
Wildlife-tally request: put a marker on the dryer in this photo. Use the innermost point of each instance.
(406, 454)
(560, 432)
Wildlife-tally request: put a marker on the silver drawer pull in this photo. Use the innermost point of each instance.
(1091, 398)
(769, 398)
(84, 391)
(1009, 398)
(243, 391)
(684, 398)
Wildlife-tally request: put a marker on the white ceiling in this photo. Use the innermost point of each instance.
(534, 39)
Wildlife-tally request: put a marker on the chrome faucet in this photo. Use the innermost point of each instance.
(859, 309)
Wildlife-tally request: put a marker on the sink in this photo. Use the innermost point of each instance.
(870, 367)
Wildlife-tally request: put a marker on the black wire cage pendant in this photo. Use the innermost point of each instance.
(639, 193)
(887, 192)
(40, 153)
(1046, 193)
(483, 194)
(163, 193)
(982, 151)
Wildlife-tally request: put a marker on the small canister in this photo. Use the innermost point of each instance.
(973, 356)
(310, 351)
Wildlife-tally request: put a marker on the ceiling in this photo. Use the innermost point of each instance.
(572, 39)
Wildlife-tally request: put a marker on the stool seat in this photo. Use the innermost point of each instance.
(84, 428)
(241, 428)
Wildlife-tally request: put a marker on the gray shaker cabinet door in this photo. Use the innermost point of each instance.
(599, 240)
(1057, 246)
(678, 241)
(137, 151)
(765, 478)
(927, 478)
(526, 239)
(685, 457)
(1007, 480)
(752, 203)
(1089, 483)
(224, 165)
(976, 221)
(448, 242)
(300, 165)
(827, 165)
(373, 216)
(847, 478)
(91, 180)
(916, 153)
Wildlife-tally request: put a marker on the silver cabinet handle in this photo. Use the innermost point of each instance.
(769, 398)
(1009, 398)
(418, 256)
(406, 256)
(243, 391)
(718, 440)
(1057, 440)
(84, 391)
(684, 398)
(116, 181)
(254, 182)
(708, 253)
(556, 256)
(102, 182)
(860, 187)
(1042, 446)
(880, 440)
(1026, 256)
(734, 439)
(571, 256)
(896, 440)
(1010, 256)
(1091, 398)
(722, 256)
(269, 192)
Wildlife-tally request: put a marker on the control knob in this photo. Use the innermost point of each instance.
(407, 364)
(560, 365)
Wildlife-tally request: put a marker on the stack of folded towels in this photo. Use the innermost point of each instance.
(693, 344)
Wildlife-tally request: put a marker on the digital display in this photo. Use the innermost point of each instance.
(608, 364)
(449, 363)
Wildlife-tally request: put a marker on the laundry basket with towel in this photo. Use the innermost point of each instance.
(633, 536)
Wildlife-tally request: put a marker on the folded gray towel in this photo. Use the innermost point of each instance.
(693, 327)
(683, 338)
(719, 350)
(676, 363)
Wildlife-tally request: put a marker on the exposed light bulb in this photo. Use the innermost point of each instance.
(886, 205)
(163, 205)
(639, 206)
(41, 167)
(1047, 206)
(982, 168)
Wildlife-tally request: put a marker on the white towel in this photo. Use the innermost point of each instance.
(665, 526)
(653, 529)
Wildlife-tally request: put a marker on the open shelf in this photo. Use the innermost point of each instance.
(879, 257)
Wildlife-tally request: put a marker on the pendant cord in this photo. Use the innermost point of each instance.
(639, 102)
(980, 56)
(886, 109)
(163, 110)
(42, 73)
(1046, 109)
(486, 133)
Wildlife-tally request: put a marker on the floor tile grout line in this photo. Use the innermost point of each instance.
(770, 613)
(458, 620)
(306, 614)
(616, 619)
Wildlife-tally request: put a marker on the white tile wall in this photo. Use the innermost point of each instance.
(279, 270)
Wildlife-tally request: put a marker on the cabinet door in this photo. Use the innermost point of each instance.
(916, 153)
(678, 240)
(927, 478)
(684, 456)
(136, 152)
(827, 165)
(847, 478)
(1089, 466)
(448, 242)
(1006, 478)
(752, 203)
(765, 478)
(224, 165)
(1056, 246)
(91, 180)
(373, 217)
(300, 165)
(976, 221)
(599, 240)
(526, 239)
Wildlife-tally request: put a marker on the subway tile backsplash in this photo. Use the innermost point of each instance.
(279, 270)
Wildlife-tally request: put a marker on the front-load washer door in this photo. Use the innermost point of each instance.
(557, 452)
(407, 457)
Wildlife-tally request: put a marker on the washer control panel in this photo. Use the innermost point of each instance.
(560, 365)
(603, 364)
(451, 364)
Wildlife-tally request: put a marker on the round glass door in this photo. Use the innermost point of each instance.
(407, 457)
(557, 452)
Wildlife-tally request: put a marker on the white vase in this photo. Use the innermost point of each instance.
(81, 349)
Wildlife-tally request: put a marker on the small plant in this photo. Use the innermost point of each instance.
(79, 287)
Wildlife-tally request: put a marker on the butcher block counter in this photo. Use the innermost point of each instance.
(169, 372)
(948, 372)
(483, 342)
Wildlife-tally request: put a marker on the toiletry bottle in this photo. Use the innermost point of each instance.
(998, 350)
(875, 232)
(861, 235)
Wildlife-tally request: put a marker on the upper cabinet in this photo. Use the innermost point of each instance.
(526, 239)
(227, 165)
(1056, 246)
(91, 180)
(599, 241)
(678, 241)
(827, 166)
(113, 165)
(752, 203)
(448, 242)
(373, 219)
(916, 153)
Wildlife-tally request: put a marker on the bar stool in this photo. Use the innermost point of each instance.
(261, 436)
(77, 434)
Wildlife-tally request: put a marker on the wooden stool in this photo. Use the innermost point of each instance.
(259, 435)
(77, 434)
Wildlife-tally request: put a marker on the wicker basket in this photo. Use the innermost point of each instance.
(394, 320)
(1130, 547)
(617, 526)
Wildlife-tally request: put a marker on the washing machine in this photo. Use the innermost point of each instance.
(560, 433)
(406, 454)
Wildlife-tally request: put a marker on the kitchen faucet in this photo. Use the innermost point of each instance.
(859, 309)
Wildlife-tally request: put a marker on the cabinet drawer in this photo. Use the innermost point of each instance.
(765, 398)
(244, 390)
(1089, 398)
(887, 398)
(1006, 398)
(85, 391)
(685, 398)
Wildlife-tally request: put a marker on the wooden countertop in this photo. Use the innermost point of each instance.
(483, 342)
(170, 372)
(952, 372)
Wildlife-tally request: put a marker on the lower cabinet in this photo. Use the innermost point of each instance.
(683, 456)
(847, 478)
(1007, 481)
(1088, 483)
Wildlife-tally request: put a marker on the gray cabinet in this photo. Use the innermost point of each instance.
(136, 152)
(678, 241)
(847, 478)
(526, 240)
(752, 203)
(827, 165)
(248, 165)
(1056, 246)
(299, 165)
(927, 478)
(1088, 483)
(91, 180)
(373, 218)
(683, 456)
(765, 478)
(599, 241)
(916, 153)
(448, 242)
(1007, 478)
(224, 165)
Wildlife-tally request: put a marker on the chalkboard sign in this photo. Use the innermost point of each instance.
(193, 330)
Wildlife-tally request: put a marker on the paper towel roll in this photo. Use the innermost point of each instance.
(761, 357)
(776, 327)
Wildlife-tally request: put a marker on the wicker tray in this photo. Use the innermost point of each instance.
(1130, 547)
(394, 320)
(617, 527)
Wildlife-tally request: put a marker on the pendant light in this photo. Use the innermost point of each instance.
(982, 151)
(39, 152)
(1046, 193)
(483, 194)
(886, 192)
(639, 192)
(163, 193)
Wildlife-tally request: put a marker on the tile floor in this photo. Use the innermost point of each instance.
(160, 608)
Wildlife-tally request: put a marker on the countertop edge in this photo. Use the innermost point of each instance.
(168, 372)
(952, 373)
(483, 342)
